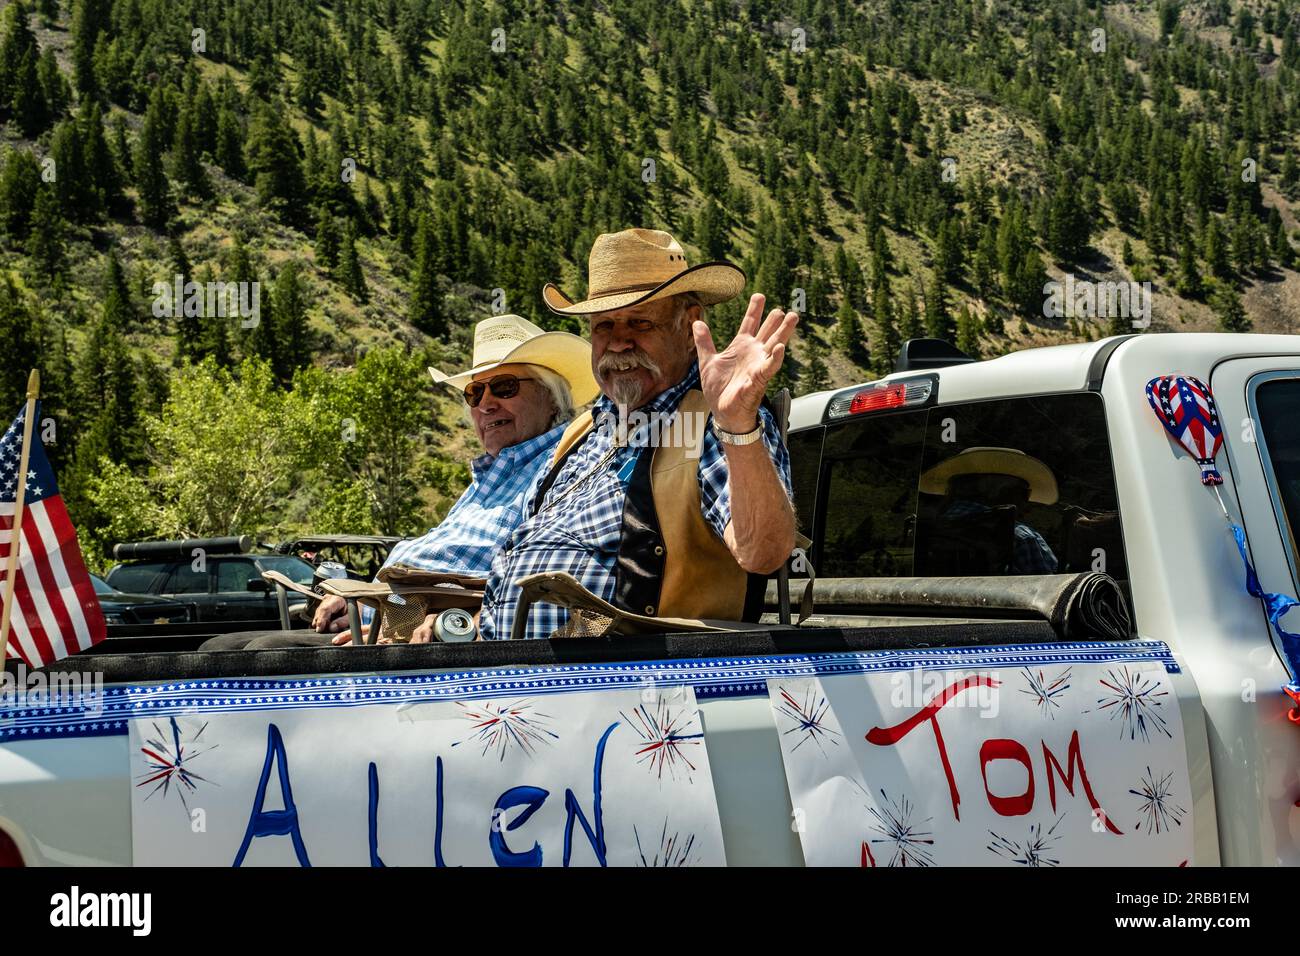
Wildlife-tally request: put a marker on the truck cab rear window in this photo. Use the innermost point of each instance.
(1015, 486)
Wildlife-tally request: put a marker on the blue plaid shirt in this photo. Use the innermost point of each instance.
(579, 524)
(482, 518)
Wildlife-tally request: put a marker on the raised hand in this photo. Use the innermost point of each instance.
(735, 379)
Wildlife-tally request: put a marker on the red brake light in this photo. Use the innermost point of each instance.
(874, 399)
(9, 853)
(881, 396)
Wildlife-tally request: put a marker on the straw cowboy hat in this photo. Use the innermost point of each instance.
(641, 265)
(511, 339)
(985, 460)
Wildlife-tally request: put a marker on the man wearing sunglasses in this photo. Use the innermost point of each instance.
(520, 394)
(667, 521)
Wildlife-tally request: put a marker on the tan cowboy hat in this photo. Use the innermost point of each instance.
(511, 339)
(984, 460)
(641, 265)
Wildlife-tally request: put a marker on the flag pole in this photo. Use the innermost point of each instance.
(15, 542)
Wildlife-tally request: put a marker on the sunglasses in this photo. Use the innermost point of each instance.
(503, 386)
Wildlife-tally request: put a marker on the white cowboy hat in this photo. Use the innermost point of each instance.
(640, 265)
(986, 460)
(511, 339)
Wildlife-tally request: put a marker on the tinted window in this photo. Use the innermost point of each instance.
(136, 578)
(1022, 486)
(235, 575)
(1278, 405)
(295, 569)
(870, 469)
(805, 462)
(185, 580)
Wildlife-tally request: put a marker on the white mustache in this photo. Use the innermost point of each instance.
(626, 362)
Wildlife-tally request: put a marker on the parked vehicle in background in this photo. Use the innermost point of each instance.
(135, 612)
(362, 554)
(221, 577)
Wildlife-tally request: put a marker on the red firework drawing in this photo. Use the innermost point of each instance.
(665, 737)
(170, 755)
(500, 727)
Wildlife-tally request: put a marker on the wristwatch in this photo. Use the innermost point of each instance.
(739, 438)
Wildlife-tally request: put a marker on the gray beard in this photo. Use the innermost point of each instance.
(625, 390)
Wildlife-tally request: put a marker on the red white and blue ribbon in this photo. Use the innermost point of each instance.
(1185, 406)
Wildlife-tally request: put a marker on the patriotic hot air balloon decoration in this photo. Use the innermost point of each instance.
(1186, 408)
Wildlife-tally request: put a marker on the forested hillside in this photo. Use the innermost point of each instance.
(389, 171)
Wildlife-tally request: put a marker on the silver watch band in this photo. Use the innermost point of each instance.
(739, 438)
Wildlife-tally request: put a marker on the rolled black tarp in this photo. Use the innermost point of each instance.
(1087, 606)
(158, 550)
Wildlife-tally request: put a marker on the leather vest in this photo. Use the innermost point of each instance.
(670, 563)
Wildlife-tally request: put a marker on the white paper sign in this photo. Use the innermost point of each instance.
(1038, 765)
(613, 776)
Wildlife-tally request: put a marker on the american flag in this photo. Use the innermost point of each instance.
(55, 611)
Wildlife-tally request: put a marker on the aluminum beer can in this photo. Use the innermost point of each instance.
(454, 626)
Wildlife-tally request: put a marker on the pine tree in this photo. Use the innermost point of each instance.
(290, 315)
(938, 318)
(89, 19)
(19, 182)
(275, 165)
(1228, 309)
(29, 109)
(968, 333)
(815, 377)
(214, 339)
(1282, 249)
(230, 143)
(327, 241)
(848, 337)
(187, 166)
(105, 379)
(72, 184)
(426, 309)
(1214, 250)
(20, 328)
(46, 243)
(1189, 273)
(909, 323)
(948, 251)
(117, 310)
(54, 88)
(887, 342)
(349, 268)
(189, 328)
(100, 164)
(156, 205)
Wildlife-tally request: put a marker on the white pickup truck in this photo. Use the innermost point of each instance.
(999, 727)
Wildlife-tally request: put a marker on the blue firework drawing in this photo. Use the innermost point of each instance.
(517, 724)
(1159, 813)
(674, 849)
(1134, 698)
(808, 717)
(1035, 850)
(909, 842)
(169, 755)
(668, 735)
(1045, 690)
